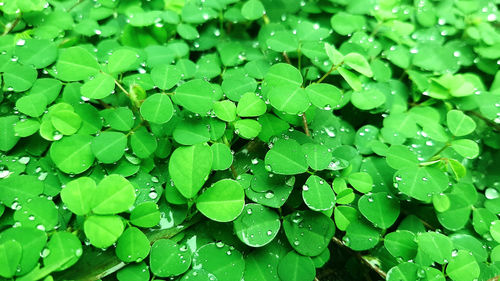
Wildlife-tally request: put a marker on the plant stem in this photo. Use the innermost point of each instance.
(11, 26)
(121, 88)
(332, 69)
(306, 127)
(287, 59)
(379, 271)
(490, 123)
(76, 4)
(266, 19)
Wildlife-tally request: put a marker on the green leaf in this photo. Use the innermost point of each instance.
(65, 249)
(66, 122)
(73, 154)
(109, 147)
(344, 23)
(187, 31)
(324, 96)
(122, 60)
(143, 143)
(308, 232)
(165, 76)
(335, 56)
(226, 263)
(400, 156)
(223, 201)
(32, 105)
(157, 108)
(225, 110)
(196, 95)
(495, 230)
(318, 156)
(168, 258)
(286, 158)
(132, 246)
(294, 267)
(435, 245)
(39, 213)
(353, 80)
(101, 86)
(114, 194)
(247, 128)
(283, 41)
(360, 236)
(75, 64)
(463, 266)
(145, 214)
(78, 195)
(103, 231)
(257, 225)
(222, 157)
(361, 181)
(19, 188)
(457, 214)
(10, 255)
(8, 136)
(120, 118)
(317, 194)
(37, 52)
(358, 63)
(250, 105)
(401, 243)
(32, 241)
(421, 183)
(134, 272)
(189, 167)
(252, 10)
(260, 265)
(465, 147)
(459, 123)
(379, 208)
(19, 78)
(368, 98)
(289, 98)
(403, 271)
(283, 74)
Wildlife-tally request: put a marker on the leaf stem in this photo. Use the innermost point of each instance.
(332, 69)
(76, 4)
(365, 261)
(287, 59)
(266, 19)
(10, 26)
(121, 88)
(306, 127)
(490, 123)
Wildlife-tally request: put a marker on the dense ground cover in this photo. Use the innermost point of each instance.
(261, 139)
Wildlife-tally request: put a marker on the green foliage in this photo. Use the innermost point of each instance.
(249, 140)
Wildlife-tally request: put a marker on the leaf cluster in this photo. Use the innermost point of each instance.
(244, 140)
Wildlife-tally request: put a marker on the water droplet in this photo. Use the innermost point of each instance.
(40, 227)
(219, 244)
(491, 193)
(31, 218)
(20, 42)
(269, 194)
(45, 252)
(305, 187)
